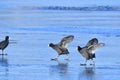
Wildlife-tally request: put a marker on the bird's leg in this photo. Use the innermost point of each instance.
(67, 57)
(55, 58)
(84, 63)
(2, 53)
(93, 63)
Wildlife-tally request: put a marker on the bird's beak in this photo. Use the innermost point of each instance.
(48, 45)
(76, 48)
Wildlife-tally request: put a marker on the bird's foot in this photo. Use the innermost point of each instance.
(67, 59)
(92, 64)
(82, 64)
(54, 59)
(3, 54)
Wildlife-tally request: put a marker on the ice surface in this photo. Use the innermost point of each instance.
(31, 31)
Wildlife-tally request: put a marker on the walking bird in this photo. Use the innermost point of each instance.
(4, 44)
(61, 47)
(88, 52)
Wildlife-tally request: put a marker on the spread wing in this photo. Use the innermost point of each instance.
(64, 42)
(91, 49)
(92, 42)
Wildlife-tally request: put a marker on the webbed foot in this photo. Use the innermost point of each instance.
(4, 54)
(82, 64)
(54, 59)
(92, 64)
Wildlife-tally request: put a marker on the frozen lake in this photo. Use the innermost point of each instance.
(31, 31)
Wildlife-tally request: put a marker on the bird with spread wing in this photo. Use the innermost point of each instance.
(61, 47)
(88, 52)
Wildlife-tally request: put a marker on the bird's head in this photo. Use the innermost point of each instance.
(7, 38)
(79, 48)
(51, 45)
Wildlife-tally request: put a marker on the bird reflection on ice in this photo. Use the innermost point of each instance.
(87, 74)
(60, 68)
(4, 67)
(3, 61)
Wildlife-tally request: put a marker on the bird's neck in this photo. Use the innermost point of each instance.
(6, 39)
